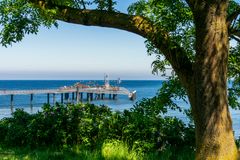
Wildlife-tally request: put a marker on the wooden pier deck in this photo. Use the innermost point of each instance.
(76, 91)
(96, 90)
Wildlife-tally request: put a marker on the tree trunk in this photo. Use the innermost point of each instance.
(208, 91)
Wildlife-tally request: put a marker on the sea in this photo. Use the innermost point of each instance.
(143, 88)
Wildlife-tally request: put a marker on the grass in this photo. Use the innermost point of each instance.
(48, 154)
(112, 150)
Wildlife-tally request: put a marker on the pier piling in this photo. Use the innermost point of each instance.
(73, 96)
(66, 97)
(102, 96)
(31, 99)
(81, 96)
(11, 101)
(61, 98)
(54, 98)
(77, 95)
(114, 96)
(31, 103)
(91, 96)
(48, 98)
(88, 97)
(97, 96)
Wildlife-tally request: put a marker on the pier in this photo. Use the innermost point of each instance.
(76, 92)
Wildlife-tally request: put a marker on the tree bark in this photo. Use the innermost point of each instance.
(208, 91)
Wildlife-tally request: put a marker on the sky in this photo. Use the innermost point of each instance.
(77, 52)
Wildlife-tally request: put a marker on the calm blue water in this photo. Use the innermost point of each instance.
(145, 89)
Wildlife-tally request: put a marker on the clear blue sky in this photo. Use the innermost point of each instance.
(77, 52)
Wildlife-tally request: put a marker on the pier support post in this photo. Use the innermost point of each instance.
(31, 99)
(11, 102)
(114, 96)
(88, 97)
(31, 102)
(54, 98)
(61, 98)
(102, 96)
(48, 98)
(110, 96)
(73, 97)
(97, 96)
(66, 97)
(91, 96)
(81, 96)
(77, 95)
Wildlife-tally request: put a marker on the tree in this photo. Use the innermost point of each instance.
(192, 35)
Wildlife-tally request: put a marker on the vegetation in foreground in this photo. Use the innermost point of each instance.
(112, 150)
(86, 131)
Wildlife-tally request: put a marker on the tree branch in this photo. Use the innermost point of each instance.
(82, 2)
(235, 38)
(135, 24)
(233, 16)
(234, 32)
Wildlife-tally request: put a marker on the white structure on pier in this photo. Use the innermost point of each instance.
(106, 81)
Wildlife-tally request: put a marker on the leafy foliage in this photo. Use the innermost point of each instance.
(235, 24)
(144, 127)
(175, 18)
(16, 135)
(105, 4)
(168, 14)
(234, 77)
(18, 18)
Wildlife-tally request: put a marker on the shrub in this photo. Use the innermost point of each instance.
(69, 125)
(147, 128)
(15, 128)
(144, 128)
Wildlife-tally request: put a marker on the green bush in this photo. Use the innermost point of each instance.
(69, 125)
(147, 128)
(15, 128)
(143, 128)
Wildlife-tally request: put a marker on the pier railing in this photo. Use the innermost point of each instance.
(77, 93)
(120, 90)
